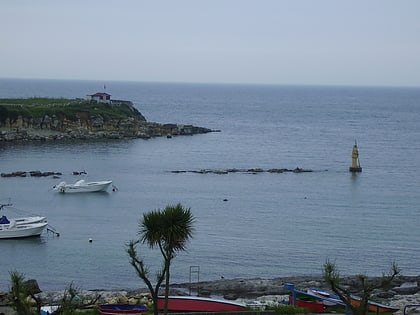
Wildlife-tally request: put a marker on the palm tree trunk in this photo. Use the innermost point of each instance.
(167, 276)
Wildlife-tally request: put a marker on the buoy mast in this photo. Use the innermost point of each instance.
(355, 164)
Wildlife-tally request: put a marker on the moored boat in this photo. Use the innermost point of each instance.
(13, 230)
(198, 304)
(22, 220)
(18, 227)
(120, 309)
(83, 186)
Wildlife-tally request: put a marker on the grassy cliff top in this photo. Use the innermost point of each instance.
(39, 107)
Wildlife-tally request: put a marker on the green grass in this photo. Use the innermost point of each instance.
(36, 101)
(288, 309)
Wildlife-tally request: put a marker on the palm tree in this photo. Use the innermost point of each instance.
(169, 230)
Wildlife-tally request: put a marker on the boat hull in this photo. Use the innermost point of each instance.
(83, 187)
(312, 306)
(372, 306)
(21, 231)
(375, 307)
(120, 309)
(198, 304)
(47, 310)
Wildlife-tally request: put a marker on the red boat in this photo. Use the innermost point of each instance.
(121, 309)
(312, 306)
(198, 304)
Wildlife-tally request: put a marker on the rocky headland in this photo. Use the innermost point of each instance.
(52, 119)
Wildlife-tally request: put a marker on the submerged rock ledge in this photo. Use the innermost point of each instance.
(247, 171)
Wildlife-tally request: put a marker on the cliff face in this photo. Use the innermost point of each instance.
(119, 120)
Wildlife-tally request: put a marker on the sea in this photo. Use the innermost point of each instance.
(247, 224)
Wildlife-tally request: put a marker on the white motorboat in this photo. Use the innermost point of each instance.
(23, 220)
(14, 230)
(5, 221)
(22, 226)
(82, 186)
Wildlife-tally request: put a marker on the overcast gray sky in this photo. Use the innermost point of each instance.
(357, 42)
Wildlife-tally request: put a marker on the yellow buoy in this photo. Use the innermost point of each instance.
(355, 164)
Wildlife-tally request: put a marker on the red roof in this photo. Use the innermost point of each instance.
(101, 94)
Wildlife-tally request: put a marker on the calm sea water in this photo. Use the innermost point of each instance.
(271, 225)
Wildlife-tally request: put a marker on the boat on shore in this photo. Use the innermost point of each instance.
(121, 309)
(374, 306)
(330, 299)
(412, 307)
(198, 304)
(314, 306)
(48, 309)
(82, 186)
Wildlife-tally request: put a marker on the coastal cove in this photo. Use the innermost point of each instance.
(249, 224)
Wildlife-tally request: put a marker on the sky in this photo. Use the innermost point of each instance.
(304, 42)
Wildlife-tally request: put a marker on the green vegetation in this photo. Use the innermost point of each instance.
(61, 107)
(169, 230)
(36, 101)
(24, 299)
(364, 284)
(287, 309)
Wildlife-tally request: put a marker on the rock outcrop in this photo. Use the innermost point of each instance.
(118, 121)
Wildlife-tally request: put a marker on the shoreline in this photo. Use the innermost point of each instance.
(247, 290)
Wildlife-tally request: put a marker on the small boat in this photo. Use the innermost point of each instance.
(47, 310)
(20, 226)
(198, 304)
(23, 220)
(119, 309)
(327, 297)
(13, 230)
(355, 300)
(82, 186)
(373, 306)
(312, 306)
(409, 307)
